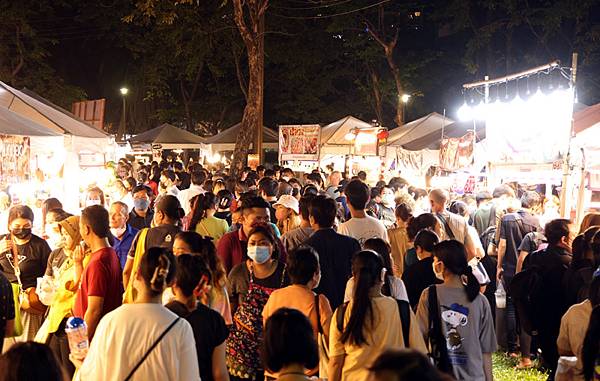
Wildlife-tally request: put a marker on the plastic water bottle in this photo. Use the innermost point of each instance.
(500, 296)
(77, 334)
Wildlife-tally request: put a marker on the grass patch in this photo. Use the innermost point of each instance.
(504, 370)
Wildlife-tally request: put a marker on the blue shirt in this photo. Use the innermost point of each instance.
(123, 245)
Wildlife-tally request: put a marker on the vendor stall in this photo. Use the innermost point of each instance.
(167, 137)
(221, 145)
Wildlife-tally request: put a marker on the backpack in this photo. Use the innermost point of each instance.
(488, 236)
(403, 310)
(525, 289)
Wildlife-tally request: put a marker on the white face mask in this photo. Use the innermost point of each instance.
(92, 202)
(440, 276)
(388, 200)
(117, 232)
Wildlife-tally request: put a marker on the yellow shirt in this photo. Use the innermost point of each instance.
(212, 227)
(385, 333)
(400, 245)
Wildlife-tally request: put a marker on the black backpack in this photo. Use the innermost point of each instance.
(526, 289)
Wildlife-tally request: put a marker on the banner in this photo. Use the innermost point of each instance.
(299, 142)
(457, 153)
(14, 153)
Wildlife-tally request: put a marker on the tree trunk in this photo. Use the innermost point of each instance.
(252, 34)
(399, 118)
(377, 105)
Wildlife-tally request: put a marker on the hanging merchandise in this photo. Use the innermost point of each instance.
(457, 153)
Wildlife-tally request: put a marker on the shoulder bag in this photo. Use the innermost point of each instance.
(28, 299)
(135, 368)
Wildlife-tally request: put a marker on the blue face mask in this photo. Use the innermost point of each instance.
(141, 203)
(259, 254)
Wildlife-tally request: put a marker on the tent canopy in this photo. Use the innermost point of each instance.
(229, 136)
(404, 135)
(433, 139)
(14, 124)
(334, 134)
(46, 115)
(170, 137)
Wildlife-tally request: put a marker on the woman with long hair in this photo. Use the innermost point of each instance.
(371, 322)
(203, 221)
(392, 285)
(589, 220)
(251, 283)
(216, 297)
(156, 341)
(455, 318)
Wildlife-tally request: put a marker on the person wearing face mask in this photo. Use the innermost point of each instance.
(167, 216)
(250, 283)
(67, 277)
(141, 215)
(23, 258)
(167, 183)
(232, 247)
(387, 206)
(463, 337)
(305, 274)
(121, 231)
(95, 196)
(55, 239)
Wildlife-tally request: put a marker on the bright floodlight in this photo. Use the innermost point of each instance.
(465, 112)
(405, 98)
(350, 136)
(124, 90)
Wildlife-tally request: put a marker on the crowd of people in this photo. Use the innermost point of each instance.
(185, 273)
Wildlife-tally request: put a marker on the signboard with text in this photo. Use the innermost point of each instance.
(15, 153)
(299, 142)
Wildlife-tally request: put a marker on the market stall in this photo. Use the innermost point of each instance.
(223, 143)
(70, 161)
(167, 137)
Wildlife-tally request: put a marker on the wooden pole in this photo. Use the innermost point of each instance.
(259, 132)
(565, 187)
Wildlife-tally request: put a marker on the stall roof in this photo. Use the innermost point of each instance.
(586, 118)
(335, 133)
(229, 136)
(168, 135)
(404, 135)
(44, 114)
(12, 123)
(432, 140)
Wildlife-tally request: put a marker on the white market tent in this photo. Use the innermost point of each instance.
(75, 148)
(169, 137)
(225, 140)
(412, 131)
(13, 124)
(333, 135)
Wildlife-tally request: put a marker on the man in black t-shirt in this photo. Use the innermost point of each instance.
(420, 275)
(513, 227)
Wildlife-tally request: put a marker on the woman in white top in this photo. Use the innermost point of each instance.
(125, 335)
(393, 286)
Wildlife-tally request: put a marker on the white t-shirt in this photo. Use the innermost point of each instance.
(397, 289)
(123, 337)
(364, 228)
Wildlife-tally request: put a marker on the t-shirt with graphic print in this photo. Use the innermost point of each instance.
(467, 326)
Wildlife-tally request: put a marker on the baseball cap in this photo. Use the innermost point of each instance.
(289, 202)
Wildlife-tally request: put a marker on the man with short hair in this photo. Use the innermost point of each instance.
(100, 290)
(314, 178)
(296, 237)
(361, 226)
(485, 215)
(335, 250)
(287, 174)
(198, 178)
(267, 188)
(452, 225)
(232, 248)
(513, 228)
(141, 215)
(551, 264)
(121, 231)
(167, 183)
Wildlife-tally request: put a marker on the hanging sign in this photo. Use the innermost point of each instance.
(15, 153)
(299, 142)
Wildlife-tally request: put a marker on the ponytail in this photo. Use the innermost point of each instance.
(157, 269)
(366, 268)
(200, 205)
(454, 256)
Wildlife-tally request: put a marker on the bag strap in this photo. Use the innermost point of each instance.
(404, 310)
(447, 228)
(135, 368)
(16, 266)
(318, 310)
(435, 332)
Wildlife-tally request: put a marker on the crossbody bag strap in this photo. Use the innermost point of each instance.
(135, 368)
(447, 228)
(16, 268)
(435, 331)
(404, 310)
(318, 310)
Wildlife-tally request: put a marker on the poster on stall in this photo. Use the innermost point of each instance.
(14, 153)
(457, 153)
(299, 142)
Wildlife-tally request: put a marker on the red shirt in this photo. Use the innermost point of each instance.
(101, 277)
